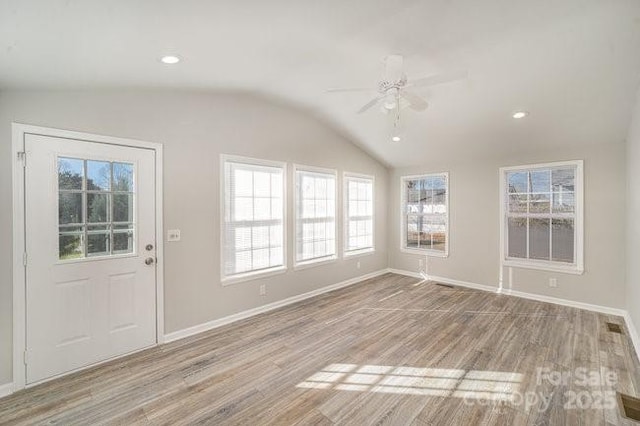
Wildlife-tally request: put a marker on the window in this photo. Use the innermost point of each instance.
(358, 215)
(95, 208)
(542, 216)
(253, 232)
(425, 214)
(315, 215)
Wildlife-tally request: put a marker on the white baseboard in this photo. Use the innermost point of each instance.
(181, 334)
(403, 272)
(6, 389)
(565, 302)
(633, 331)
(460, 283)
(538, 297)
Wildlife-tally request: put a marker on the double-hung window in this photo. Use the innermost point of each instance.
(253, 217)
(315, 195)
(425, 214)
(358, 214)
(542, 216)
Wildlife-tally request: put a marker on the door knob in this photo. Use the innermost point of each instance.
(149, 261)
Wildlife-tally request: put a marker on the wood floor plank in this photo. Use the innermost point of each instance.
(392, 350)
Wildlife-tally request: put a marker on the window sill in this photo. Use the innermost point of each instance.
(425, 252)
(249, 276)
(359, 253)
(314, 262)
(545, 266)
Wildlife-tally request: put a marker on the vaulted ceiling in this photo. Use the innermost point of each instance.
(573, 64)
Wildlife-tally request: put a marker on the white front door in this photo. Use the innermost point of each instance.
(90, 245)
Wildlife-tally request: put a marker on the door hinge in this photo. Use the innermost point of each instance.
(24, 258)
(25, 357)
(22, 157)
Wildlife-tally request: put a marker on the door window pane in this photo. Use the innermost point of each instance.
(98, 175)
(123, 207)
(92, 196)
(70, 173)
(97, 208)
(123, 177)
(123, 242)
(71, 242)
(70, 208)
(98, 244)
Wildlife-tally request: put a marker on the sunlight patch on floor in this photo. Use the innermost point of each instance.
(480, 384)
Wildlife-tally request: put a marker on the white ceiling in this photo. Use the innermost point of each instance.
(574, 64)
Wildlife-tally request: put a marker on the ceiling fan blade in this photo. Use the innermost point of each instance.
(350, 89)
(435, 79)
(369, 104)
(416, 103)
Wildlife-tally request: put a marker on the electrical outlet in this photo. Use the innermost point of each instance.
(553, 282)
(358, 265)
(263, 289)
(173, 235)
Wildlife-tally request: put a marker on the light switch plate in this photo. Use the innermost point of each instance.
(173, 235)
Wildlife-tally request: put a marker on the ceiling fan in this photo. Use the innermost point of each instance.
(392, 89)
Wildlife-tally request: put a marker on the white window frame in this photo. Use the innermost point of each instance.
(403, 217)
(546, 265)
(263, 273)
(346, 176)
(303, 264)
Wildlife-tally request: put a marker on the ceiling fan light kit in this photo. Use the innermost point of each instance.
(392, 90)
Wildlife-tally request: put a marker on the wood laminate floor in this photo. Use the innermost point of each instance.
(390, 350)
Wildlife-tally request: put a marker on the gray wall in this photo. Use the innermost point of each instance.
(474, 224)
(633, 217)
(195, 129)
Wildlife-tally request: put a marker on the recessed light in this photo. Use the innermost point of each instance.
(170, 59)
(520, 114)
(396, 138)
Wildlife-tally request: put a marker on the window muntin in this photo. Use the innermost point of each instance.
(425, 213)
(542, 215)
(253, 218)
(358, 219)
(315, 215)
(95, 208)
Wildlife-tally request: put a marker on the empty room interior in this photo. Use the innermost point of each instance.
(330, 212)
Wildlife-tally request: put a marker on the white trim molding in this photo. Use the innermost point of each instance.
(19, 242)
(200, 328)
(537, 297)
(405, 273)
(460, 283)
(6, 389)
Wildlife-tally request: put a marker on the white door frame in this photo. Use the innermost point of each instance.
(19, 260)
